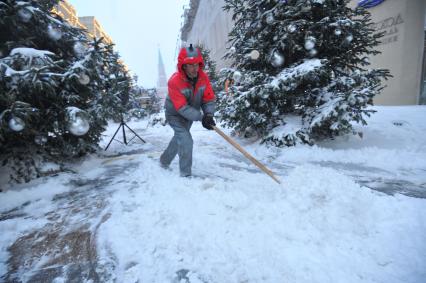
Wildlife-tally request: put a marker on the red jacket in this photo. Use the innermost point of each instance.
(184, 99)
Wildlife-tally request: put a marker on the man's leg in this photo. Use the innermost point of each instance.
(185, 144)
(180, 144)
(169, 154)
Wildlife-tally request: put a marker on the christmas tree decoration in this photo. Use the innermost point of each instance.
(84, 79)
(54, 33)
(269, 18)
(310, 43)
(237, 76)
(254, 55)
(77, 121)
(79, 48)
(16, 124)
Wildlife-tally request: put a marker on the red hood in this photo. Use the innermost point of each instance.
(189, 56)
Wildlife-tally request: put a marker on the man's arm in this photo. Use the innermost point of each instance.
(181, 105)
(209, 100)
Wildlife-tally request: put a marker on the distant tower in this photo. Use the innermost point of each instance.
(162, 78)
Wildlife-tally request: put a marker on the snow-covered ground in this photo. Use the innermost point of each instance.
(348, 210)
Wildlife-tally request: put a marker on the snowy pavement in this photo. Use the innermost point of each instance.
(121, 218)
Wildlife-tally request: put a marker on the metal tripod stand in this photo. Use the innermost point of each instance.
(122, 125)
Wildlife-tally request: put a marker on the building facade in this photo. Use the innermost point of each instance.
(94, 28)
(68, 12)
(403, 46)
(207, 24)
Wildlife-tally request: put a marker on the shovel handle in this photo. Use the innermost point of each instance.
(246, 154)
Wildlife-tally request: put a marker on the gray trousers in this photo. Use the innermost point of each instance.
(181, 144)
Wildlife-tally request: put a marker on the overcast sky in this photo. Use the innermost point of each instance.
(138, 27)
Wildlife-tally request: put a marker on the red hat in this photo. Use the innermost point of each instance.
(190, 55)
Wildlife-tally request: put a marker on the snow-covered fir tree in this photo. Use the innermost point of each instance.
(144, 102)
(300, 69)
(155, 103)
(119, 85)
(57, 87)
(210, 67)
(134, 109)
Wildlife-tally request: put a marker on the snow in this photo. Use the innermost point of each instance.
(305, 231)
(326, 222)
(291, 28)
(292, 125)
(326, 110)
(30, 52)
(277, 59)
(310, 43)
(40, 139)
(303, 68)
(25, 15)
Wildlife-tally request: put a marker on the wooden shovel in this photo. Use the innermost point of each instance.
(247, 155)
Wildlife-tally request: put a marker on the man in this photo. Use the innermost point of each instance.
(189, 90)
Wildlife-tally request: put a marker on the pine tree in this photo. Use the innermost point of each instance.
(143, 102)
(57, 88)
(209, 67)
(154, 105)
(300, 69)
(119, 87)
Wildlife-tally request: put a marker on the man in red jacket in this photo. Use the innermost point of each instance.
(189, 91)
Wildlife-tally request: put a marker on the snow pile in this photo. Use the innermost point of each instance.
(232, 223)
(293, 124)
(319, 227)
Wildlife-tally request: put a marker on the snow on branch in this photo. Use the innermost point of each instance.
(31, 52)
(300, 70)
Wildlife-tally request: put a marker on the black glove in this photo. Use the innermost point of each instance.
(208, 122)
